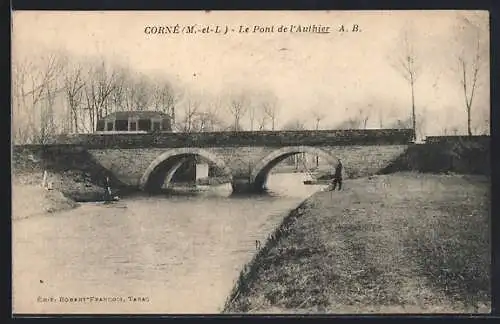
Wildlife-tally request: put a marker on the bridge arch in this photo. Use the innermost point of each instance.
(172, 160)
(261, 170)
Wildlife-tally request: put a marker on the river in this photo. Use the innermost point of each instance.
(159, 254)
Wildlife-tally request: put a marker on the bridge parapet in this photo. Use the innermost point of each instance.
(245, 138)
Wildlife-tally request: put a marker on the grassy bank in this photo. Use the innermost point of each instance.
(74, 173)
(405, 242)
(32, 200)
(74, 185)
(464, 156)
(73, 179)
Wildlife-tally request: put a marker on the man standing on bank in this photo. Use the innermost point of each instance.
(337, 177)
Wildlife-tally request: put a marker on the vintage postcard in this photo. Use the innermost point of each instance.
(209, 162)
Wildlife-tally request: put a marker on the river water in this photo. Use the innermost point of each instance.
(175, 254)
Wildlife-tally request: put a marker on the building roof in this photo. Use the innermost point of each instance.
(139, 114)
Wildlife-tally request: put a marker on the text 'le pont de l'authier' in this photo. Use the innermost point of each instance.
(248, 29)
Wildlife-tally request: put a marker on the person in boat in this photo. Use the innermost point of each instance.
(337, 176)
(108, 193)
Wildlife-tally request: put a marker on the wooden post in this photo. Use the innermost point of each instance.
(44, 181)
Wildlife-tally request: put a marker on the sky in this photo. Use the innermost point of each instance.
(335, 73)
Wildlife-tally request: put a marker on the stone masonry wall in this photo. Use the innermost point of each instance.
(129, 165)
(224, 139)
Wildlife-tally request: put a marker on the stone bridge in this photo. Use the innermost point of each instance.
(146, 160)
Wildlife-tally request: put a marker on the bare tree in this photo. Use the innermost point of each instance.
(238, 106)
(252, 112)
(190, 111)
(209, 119)
(85, 90)
(132, 90)
(100, 84)
(258, 112)
(164, 96)
(118, 96)
(358, 121)
(22, 121)
(135, 90)
(73, 88)
(48, 125)
(143, 92)
(127, 89)
(271, 110)
(35, 86)
(263, 110)
(295, 125)
(380, 108)
(201, 121)
(364, 115)
(407, 123)
(262, 121)
(470, 61)
(405, 62)
(318, 116)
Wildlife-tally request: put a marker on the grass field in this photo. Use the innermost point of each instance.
(400, 243)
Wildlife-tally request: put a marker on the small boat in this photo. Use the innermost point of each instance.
(109, 194)
(114, 203)
(109, 203)
(112, 199)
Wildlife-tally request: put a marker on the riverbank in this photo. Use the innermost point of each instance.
(399, 243)
(75, 185)
(73, 172)
(31, 200)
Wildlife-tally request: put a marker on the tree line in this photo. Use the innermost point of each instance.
(471, 35)
(58, 93)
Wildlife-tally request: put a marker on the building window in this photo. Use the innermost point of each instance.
(133, 126)
(145, 125)
(156, 126)
(166, 125)
(121, 125)
(100, 125)
(109, 126)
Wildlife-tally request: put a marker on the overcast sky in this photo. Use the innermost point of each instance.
(335, 72)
